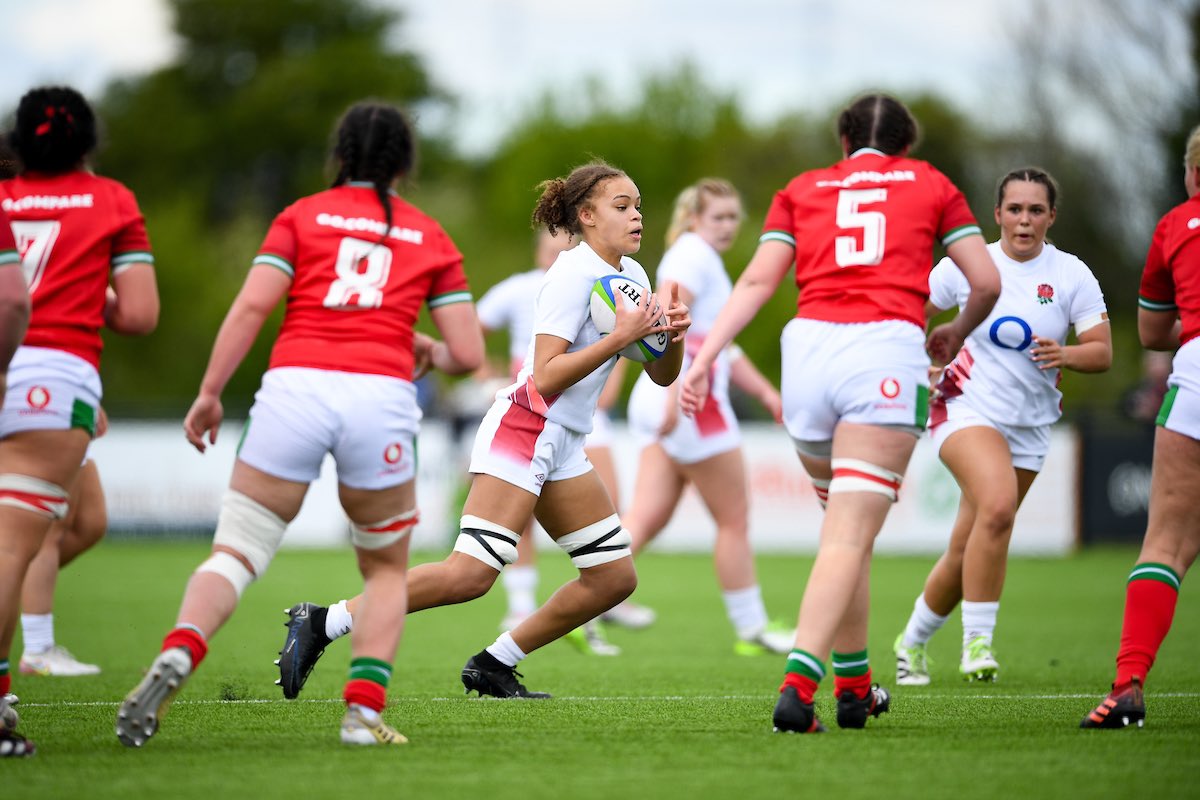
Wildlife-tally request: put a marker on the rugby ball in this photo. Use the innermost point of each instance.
(606, 293)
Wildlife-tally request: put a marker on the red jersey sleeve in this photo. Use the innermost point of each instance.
(449, 284)
(279, 248)
(130, 243)
(1157, 290)
(779, 225)
(957, 220)
(8, 244)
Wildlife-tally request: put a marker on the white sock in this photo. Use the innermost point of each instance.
(338, 621)
(506, 651)
(369, 715)
(37, 631)
(979, 619)
(520, 584)
(922, 625)
(746, 611)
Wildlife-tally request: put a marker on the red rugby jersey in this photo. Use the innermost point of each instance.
(72, 231)
(863, 230)
(1171, 278)
(354, 299)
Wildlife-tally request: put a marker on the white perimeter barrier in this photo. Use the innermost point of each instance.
(155, 481)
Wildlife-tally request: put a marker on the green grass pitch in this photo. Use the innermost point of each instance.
(678, 715)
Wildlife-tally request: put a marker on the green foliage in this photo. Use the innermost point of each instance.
(217, 143)
(677, 714)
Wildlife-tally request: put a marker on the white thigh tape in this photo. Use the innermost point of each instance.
(383, 534)
(33, 494)
(853, 475)
(598, 543)
(250, 528)
(492, 544)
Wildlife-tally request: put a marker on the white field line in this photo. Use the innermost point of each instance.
(611, 699)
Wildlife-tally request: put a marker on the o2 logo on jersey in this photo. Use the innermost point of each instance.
(890, 388)
(362, 269)
(1011, 333)
(393, 453)
(38, 397)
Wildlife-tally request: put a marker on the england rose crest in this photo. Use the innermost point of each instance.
(1045, 293)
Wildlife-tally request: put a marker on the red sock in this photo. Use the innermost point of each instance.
(5, 683)
(858, 684)
(805, 686)
(1149, 608)
(365, 693)
(190, 640)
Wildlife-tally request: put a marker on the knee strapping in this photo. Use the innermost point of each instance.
(230, 568)
(821, 487)
(379, 535)
(249, 528)
(598, 543)
(33, 494)
(492, 544)
(854, 475)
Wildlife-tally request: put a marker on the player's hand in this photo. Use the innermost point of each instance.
(943, 343)
(1048, 354)
(637, 323)
(679, 317)
(101, 423)
(205, 416)
(694, 391)
(773, 403)
(423, 345)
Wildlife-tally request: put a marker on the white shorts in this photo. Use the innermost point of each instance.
(526, 449)
(1180, 411)
(873, 373)
(368, 423)
(694, 439)
(49, 390)
(1028, 444)
(602, 431)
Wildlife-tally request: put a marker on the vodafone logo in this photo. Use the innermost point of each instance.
(889, 388)
(393, 452)
(38, 397)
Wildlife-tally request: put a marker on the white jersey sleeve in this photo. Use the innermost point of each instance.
(563, 309)
(948, 287)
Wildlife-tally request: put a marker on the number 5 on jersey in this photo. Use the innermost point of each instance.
(873, 225)
(362, 271)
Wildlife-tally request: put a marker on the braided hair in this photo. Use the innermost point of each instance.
(374, 142)
(879, 121)
(55, 130)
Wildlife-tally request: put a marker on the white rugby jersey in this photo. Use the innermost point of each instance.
(696, 266)
(509, 305)
(994, 371)
(563, 309)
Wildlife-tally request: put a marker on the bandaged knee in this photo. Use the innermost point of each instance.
(249, 528)
(598, 543)
(854, 475)
(383, 534)
(492, 544)
(229, 567)
(33, 494)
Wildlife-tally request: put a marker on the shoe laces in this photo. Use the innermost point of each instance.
(979, 647)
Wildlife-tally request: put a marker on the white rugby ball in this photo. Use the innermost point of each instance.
(605, 292)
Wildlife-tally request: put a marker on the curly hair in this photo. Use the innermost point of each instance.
(55, 130)
(561, 198)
